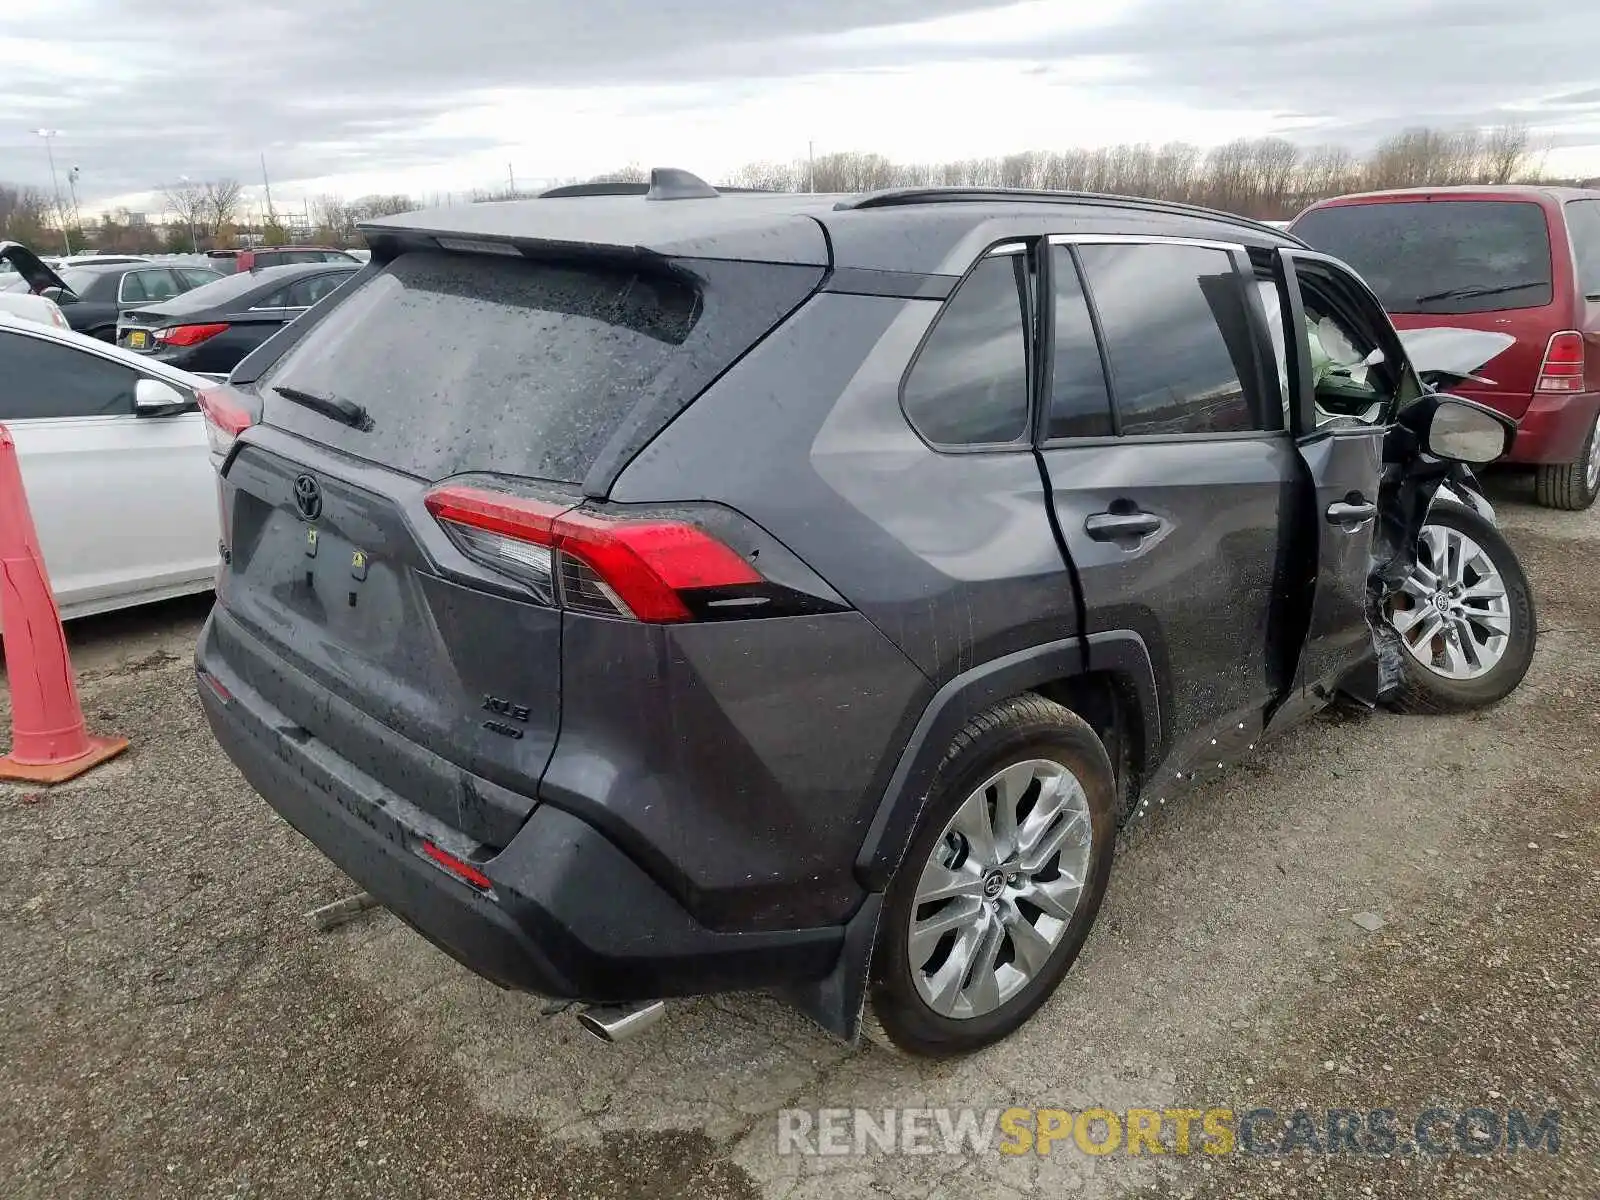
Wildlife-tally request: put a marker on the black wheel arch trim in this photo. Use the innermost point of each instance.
(1118, 652)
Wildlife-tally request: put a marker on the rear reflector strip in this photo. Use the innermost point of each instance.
(461, 869)
(215, 684)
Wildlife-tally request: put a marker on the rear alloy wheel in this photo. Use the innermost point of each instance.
(1573, 485)
(1001, 883)
(1465, 616)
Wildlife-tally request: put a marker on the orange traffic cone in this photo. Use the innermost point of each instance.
(49, 742)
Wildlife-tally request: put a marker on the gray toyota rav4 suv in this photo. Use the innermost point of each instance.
(663, 592)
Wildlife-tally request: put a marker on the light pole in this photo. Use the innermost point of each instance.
(61, 214)
(72, 190)
(188, 200)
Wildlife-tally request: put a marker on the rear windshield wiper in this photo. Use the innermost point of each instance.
(347, 412)
(1464, 293)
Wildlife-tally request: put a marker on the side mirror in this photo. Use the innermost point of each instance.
(157, 398)
(1465, 431)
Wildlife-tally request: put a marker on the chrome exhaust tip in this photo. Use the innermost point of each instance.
(614, 1023)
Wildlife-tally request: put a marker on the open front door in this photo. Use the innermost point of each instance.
(1352, 378)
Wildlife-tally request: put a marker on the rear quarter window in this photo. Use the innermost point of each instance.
(1441, 256)
(1583, 226)
(476, 362)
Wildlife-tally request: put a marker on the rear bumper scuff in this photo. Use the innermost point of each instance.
(570, 915)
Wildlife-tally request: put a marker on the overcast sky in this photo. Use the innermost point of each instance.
(437, 96)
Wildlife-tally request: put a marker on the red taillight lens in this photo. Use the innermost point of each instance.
(460, 868)
(188, 335)
(624, 567)
(225, 417)
(1562, 370)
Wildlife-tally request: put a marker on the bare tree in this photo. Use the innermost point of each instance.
(368, 207)
(220, 204)
(1508, 151)
(770, 177)
(24, 214)
(1269, 177)
(186, 201)
(333, 218)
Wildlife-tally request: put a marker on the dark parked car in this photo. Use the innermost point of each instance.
(652, 595)
(92, 297)
(230, 261)
(1522, 260)
(213, 327)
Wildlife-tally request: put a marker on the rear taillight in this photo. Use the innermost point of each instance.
(188, 335)
(1562, 369)
(618, 567)
(225, 417)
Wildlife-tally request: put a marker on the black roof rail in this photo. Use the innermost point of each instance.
(594, 189)
(666, 183)
(899, 197)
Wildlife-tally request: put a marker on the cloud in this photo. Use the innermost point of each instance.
(376, 93)
(343, 86)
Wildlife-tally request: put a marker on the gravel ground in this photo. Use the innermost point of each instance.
(173, 1025)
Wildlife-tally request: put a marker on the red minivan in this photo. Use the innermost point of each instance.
(1512, 259)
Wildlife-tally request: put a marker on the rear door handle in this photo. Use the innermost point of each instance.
(1352, 514)
(1114, 527)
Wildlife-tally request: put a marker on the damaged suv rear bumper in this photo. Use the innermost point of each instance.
(568, 915)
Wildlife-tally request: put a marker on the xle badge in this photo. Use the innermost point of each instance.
(505, 708)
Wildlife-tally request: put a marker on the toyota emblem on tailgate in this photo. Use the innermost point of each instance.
(308, 497)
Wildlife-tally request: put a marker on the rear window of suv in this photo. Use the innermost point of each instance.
(478, 362)
(1440, 256)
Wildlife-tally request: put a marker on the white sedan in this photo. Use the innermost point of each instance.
(114, 459)
(33, 308)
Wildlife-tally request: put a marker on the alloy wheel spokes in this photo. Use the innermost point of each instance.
(1453, 613)
(1000, 888)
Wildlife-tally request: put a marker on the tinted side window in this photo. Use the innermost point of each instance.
(1583, 222)
(969, 385)
(1177, 337)
(47, 380)
(141, 286)
(194, 277)
(1079, 403)
(307, 292)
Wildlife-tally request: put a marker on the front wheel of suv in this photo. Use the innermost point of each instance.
(1465, 616)
(1000, 885)
(1573, 485)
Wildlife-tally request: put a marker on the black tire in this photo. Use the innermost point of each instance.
(1023, 728)
(1567, 485)
(1425, 691)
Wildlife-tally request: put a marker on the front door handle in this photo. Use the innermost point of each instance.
(1351, 513)
(1116, 527)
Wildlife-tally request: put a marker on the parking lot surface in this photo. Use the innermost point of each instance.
(174, 1025)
